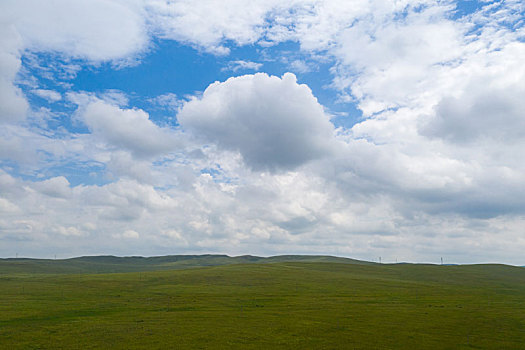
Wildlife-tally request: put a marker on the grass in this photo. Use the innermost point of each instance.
(279, 305)
(112, 264)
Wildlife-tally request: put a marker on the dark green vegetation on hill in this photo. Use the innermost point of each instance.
(112, 264)
(284, 303)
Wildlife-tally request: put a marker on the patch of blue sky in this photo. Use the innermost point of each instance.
(85, 174)
(10, 166)
(213, 172)
(511, 14)
(169, 68)
(57, 116)
(218, 175)
(508, 15)
(79, 173)
(76, 172)
(409, 8)
(467, 7)
(46, 72)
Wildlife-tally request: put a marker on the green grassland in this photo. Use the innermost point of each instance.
(109, 264)
(291, 302)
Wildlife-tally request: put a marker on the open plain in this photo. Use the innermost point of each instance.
(293, 302)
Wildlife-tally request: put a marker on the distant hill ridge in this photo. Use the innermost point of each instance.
(111, 263)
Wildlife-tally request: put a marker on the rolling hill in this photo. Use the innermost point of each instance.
(114, 264)
(246, 302)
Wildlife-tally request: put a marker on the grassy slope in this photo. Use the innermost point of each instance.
(113, 264)
(292, 305)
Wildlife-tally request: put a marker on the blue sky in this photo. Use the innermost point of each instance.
(364, 129)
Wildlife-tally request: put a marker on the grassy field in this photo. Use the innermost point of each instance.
(284, 303)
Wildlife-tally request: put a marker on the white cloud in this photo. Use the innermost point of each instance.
(128, 234)
(300, 66)
(13, 105)
(55, 187)
(391, 64)
(98, 30)
(122, 164)
(235, 66)
(68, 231)
(274, 123)
(15, 144)
(481, 113)
(50, 95)
(168, 101)
(8, 207)
(130, 129)
(190, 22)
(294, 211)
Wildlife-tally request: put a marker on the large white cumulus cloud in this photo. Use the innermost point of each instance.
(273, 122)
